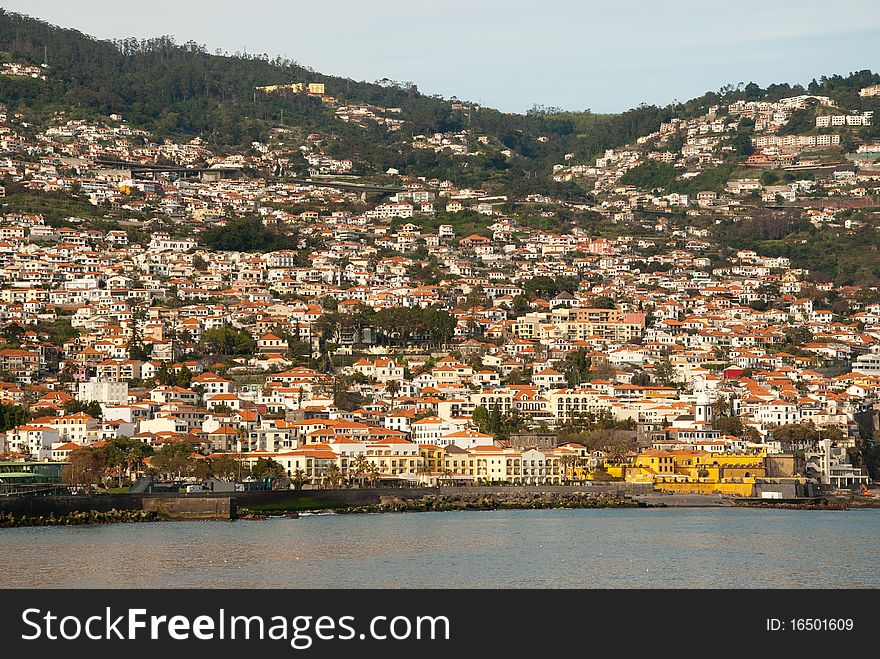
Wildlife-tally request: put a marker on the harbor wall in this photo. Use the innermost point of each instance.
(208, 505)
(64, 505)
(191, 508)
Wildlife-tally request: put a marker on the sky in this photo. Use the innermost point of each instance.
(602, 55)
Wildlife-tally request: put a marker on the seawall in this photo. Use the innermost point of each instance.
(173, 506)
(183, 508)
(223, 506)
(296, 500)
(65, 505)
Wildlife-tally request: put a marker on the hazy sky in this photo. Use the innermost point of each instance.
(606, 55)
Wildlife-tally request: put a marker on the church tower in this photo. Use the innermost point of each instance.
(703, 411)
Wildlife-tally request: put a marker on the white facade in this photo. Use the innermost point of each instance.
(103, 391)
(431, 429)
(867, 364)
(35, 441)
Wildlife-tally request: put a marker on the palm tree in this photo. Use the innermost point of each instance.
(359, 467)
(136, 456)
(374, 474)
(116, 458)
(722, 406)
(423, 470)
(447, 473)
(333, 475)
(243, 439)
(298, 479)
(566, 461)
(393, 387)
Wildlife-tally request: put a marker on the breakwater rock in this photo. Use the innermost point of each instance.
(832, 503)
(495, 501)
(8, 520)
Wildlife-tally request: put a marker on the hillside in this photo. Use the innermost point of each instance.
(182, 90)
(622, 169)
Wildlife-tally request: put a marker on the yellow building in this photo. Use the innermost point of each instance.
(616, 469)
(295, 87)
(458, 464)
(648, 464)
(660, 392)
(491, 463)
(692, 471)
(394, 458)
(494, 464)
(432, 461)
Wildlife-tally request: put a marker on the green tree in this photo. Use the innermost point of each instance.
(742, 144)
(805, 434)
(374, 474)
(92, 408)
(173, 459)
(343, 398)
(60, 331)
(164, 376)
(86, 467)
(495, 420)
(600, 474)
(870, 457)
(329, 303)
(520, 305)
(664, 371)
(267, 468)
(393, 388)
(577, 367)
(13, 332)
(247, 235)
(228, 468)
(440, 325)
(11, 416)
(227, 341)
(602, 302)
(728, 425)
(601, 371)
(651, 175)
(481, 419)
(125, 454)
(796, 336)
(769, 177)
(184, 377)
(801, 121)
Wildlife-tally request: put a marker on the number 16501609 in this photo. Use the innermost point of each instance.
(810, 624)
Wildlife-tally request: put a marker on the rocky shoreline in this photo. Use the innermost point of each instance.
(505, 501)
(532, 501)
(442, 502)
(839, 504)
(8, 520)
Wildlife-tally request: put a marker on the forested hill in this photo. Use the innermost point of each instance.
(183, 89)
(179, 90)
